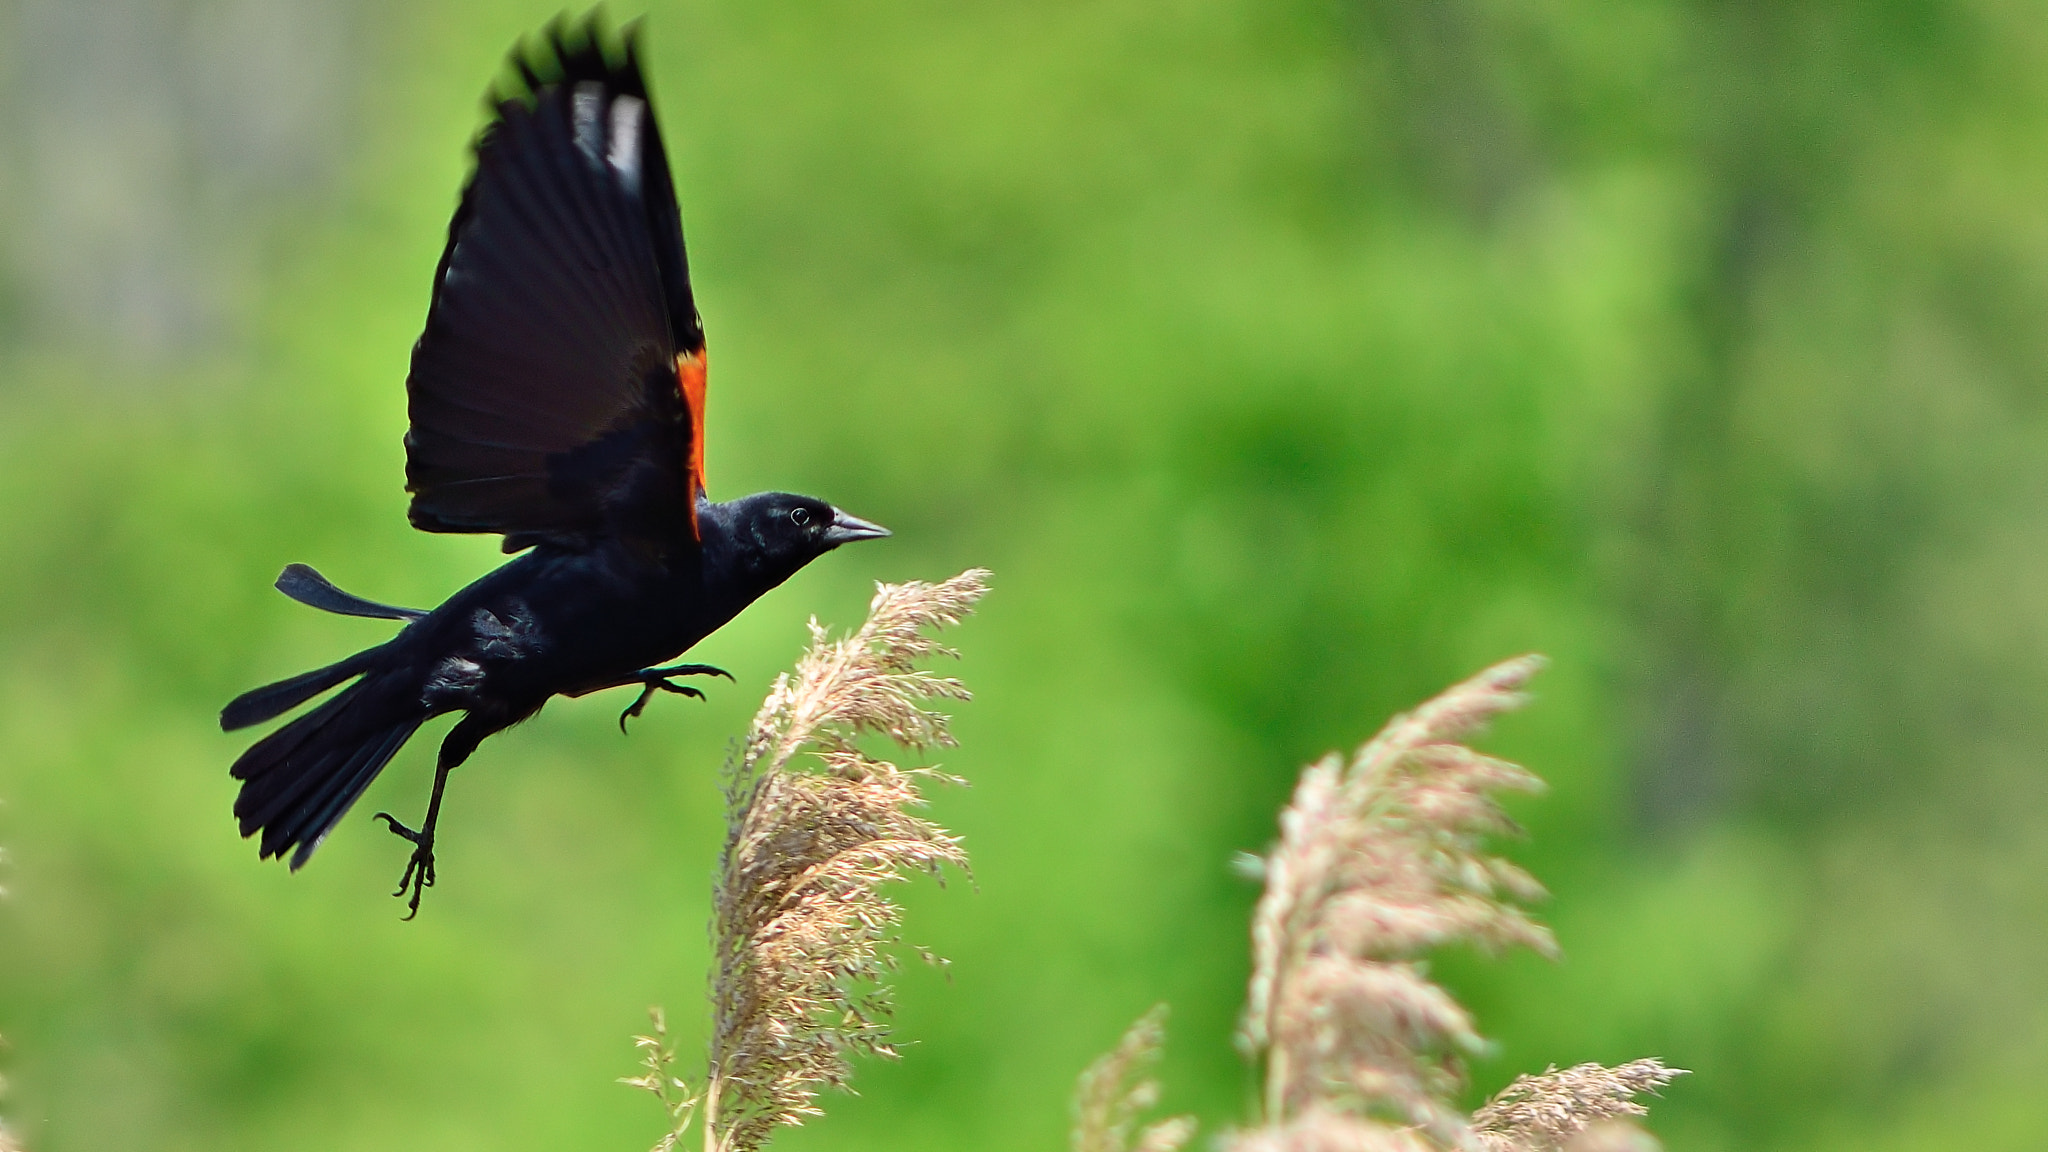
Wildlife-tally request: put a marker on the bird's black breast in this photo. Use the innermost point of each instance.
(559, 622)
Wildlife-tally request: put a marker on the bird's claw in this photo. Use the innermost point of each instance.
(397, 829)
(690, 670)
(419, 869)
(657, 680)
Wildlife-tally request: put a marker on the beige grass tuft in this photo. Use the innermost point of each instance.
(801, 928)
(1118, 1089)
(1382, 857)
(801, 923)
(1546, 1113)
(658, 1057)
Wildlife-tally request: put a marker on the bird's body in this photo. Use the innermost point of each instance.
(555, 622)
(557, 397)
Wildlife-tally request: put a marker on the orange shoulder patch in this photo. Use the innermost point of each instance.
(691, 381)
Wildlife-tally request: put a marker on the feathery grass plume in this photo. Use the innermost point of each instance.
(1118, 1088)
(658, 1056)
(1545, 1113)
(800, 924)
(1380, 858)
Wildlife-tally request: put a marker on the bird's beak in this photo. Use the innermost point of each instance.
(846, 528)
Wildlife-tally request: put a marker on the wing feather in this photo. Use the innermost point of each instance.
(548, 400)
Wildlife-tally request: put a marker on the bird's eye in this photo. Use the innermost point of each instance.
(800, 516)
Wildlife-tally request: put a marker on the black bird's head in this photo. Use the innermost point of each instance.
(774, 534)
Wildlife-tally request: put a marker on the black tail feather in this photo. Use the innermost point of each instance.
(272, 700)
(318, 816)
(308, 587)
(301, 779)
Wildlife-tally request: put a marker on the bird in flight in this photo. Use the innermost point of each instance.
(556, 397)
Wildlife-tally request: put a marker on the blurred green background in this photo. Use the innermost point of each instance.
(1285, 359)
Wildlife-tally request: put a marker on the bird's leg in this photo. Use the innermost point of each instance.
(419, 869)
(657, 680)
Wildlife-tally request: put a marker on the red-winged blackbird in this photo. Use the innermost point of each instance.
(557, 397)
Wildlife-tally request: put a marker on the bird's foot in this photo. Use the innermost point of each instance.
(657, 680)
(658, 684)
(419, 870)
(687, 670)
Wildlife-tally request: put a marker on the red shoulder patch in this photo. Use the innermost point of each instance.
(691, 381)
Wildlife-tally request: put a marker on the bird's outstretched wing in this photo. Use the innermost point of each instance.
(557, 394)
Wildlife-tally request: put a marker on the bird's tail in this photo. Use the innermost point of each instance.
(273, 700)
(300, 780)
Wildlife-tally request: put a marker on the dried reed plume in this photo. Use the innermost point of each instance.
(1544, 1113)
(801, 926)
(1118, 1088)
(658, 1056)
(1379, 859)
